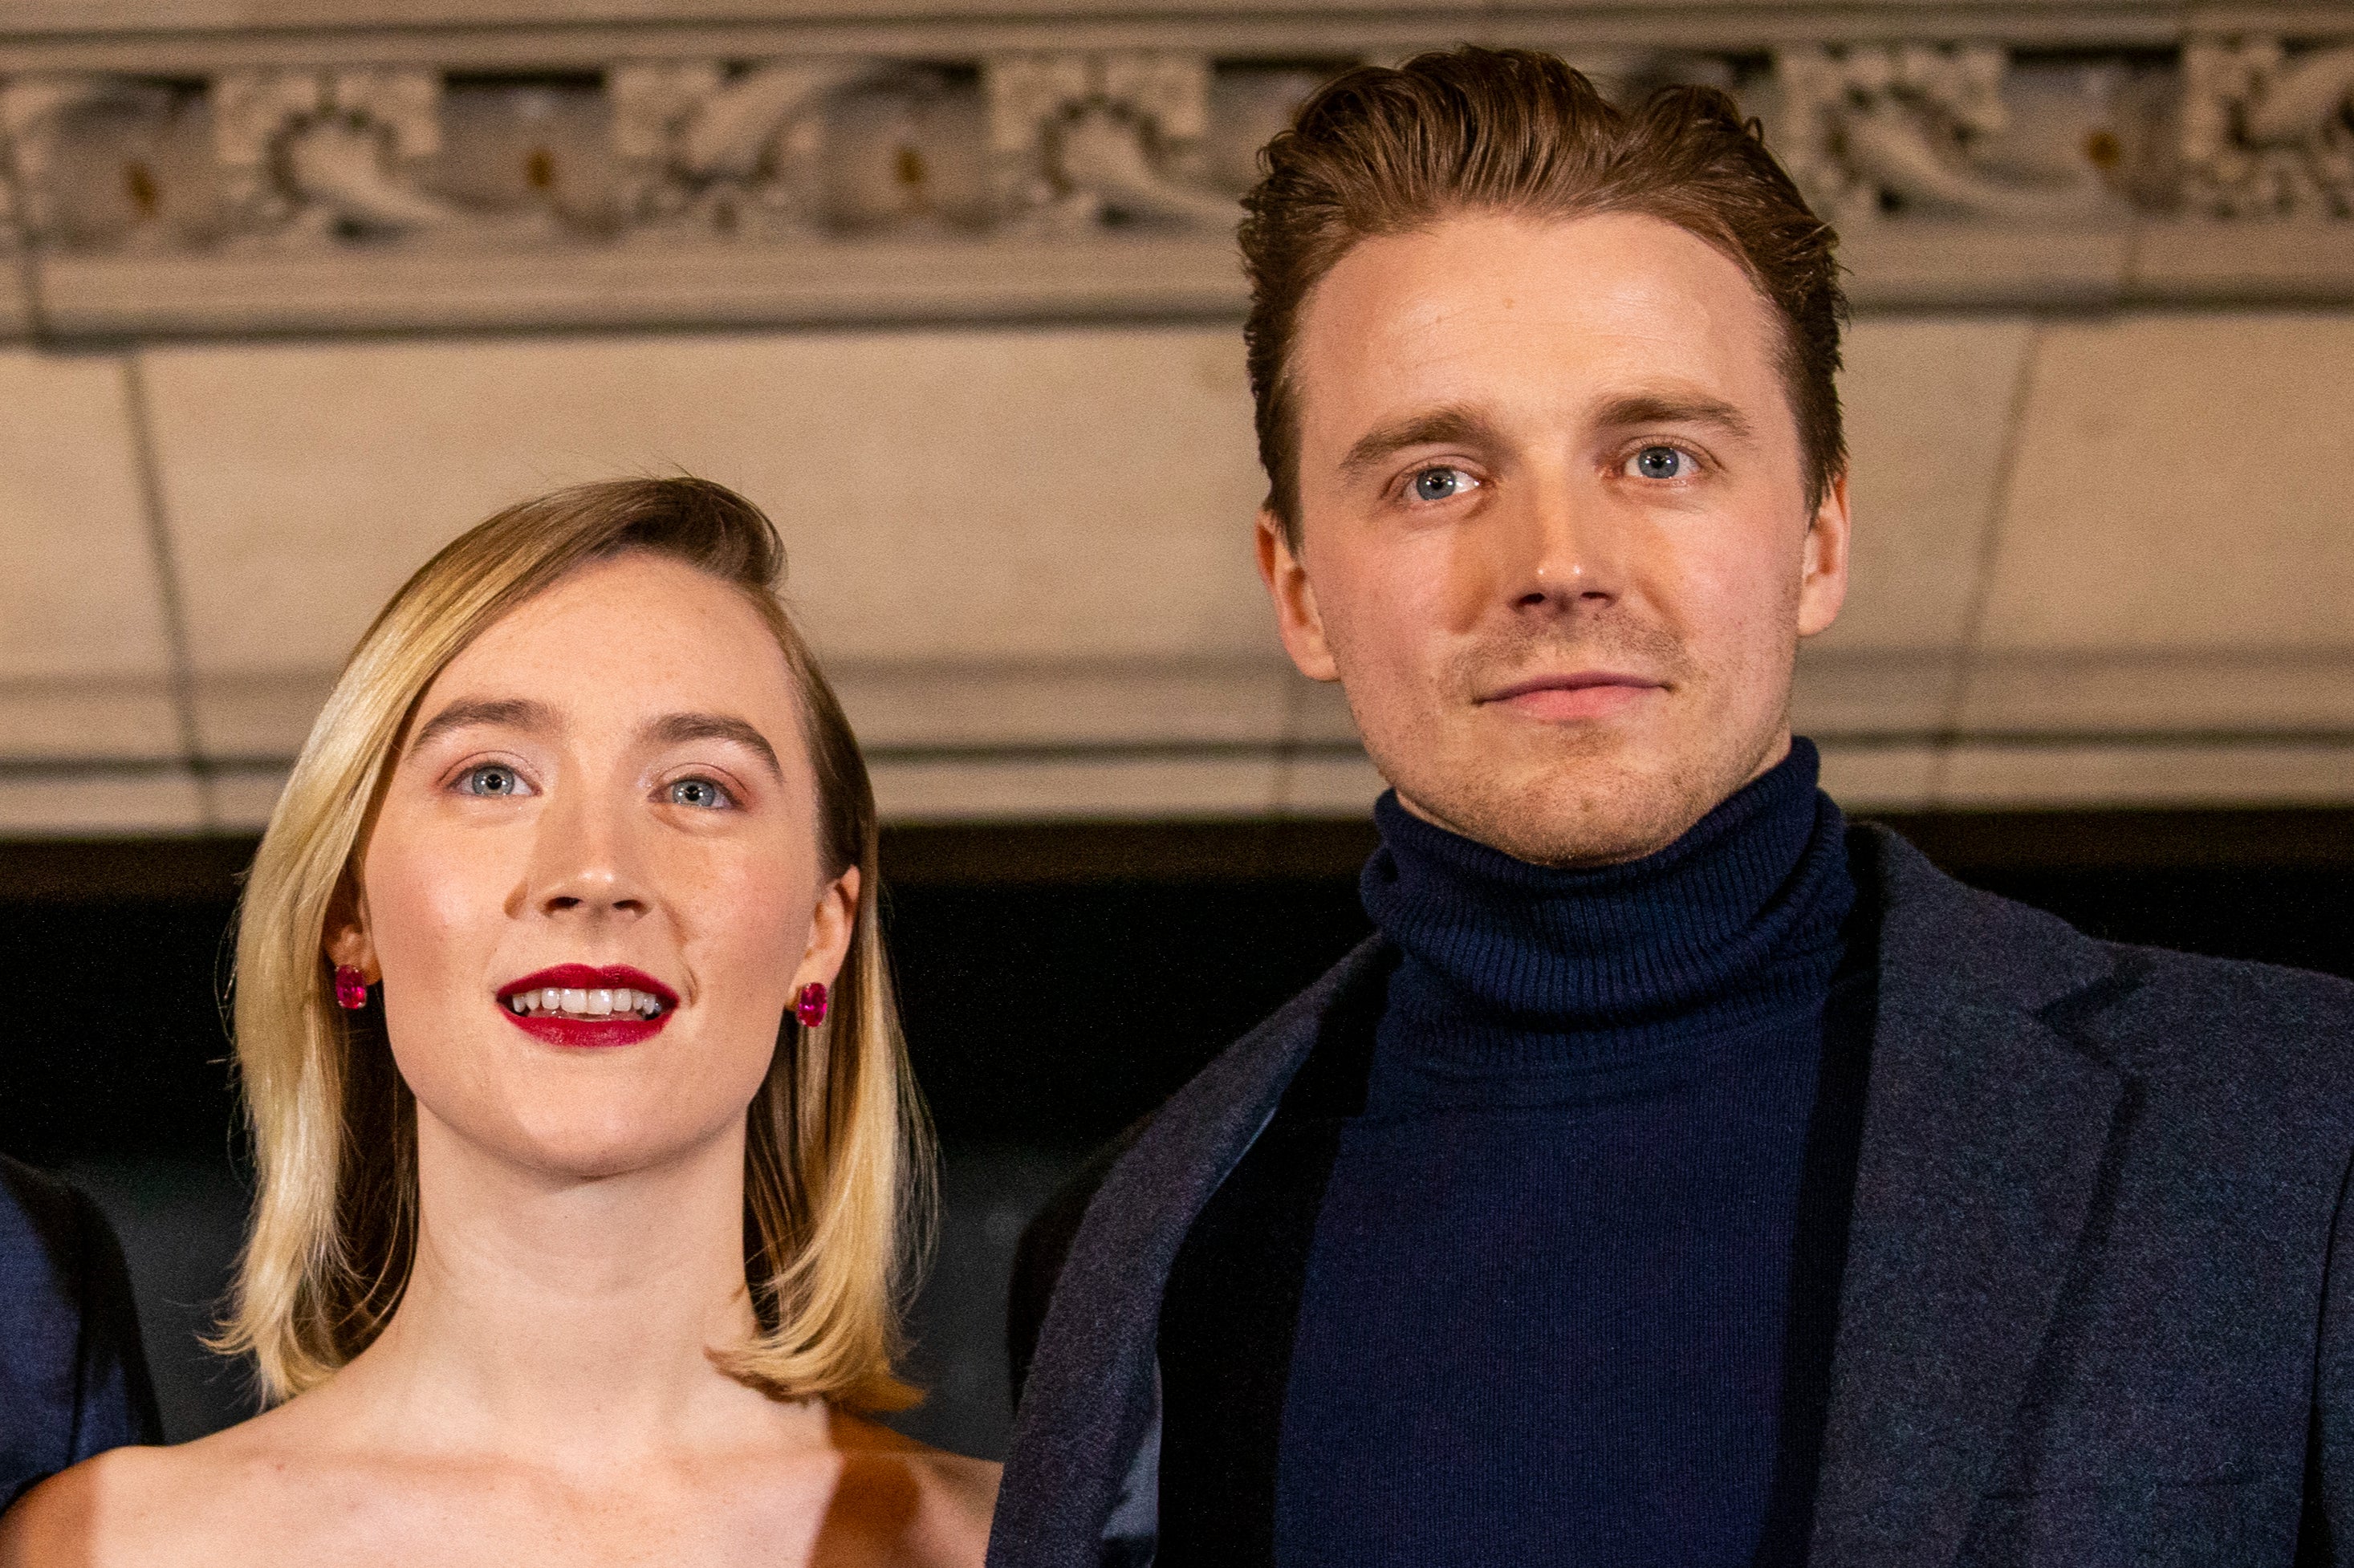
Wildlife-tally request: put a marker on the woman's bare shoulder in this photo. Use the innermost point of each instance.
(106, 1510)
(937, 1504)
(141, 1504)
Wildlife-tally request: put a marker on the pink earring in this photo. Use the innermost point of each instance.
(351, 988)
(811, 1008)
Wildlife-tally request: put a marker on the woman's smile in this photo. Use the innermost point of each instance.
(581, 1005)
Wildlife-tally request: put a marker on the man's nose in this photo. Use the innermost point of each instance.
(1557, 546)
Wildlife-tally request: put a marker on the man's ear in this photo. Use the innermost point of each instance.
(831, 925)
(1296, 616)
(1822, 588)
(347, 940)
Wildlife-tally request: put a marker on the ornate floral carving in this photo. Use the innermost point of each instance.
(330, 153)
(963, 144)
(1082, 142)
(2267, 131)
(1940, 131)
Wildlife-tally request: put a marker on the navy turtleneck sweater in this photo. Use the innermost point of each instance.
(1537, 1262)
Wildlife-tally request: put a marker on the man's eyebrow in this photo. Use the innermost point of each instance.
(671, 729)
(1673, 409)
(1438, 427)
(515, 713)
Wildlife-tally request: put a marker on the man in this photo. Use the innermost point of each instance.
(73, 1382)
(1680, 1176)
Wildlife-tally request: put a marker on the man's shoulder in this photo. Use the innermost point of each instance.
(2234, 1014)
(2153, 1012)
(1253, 1068)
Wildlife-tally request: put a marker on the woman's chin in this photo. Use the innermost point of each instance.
(596, 1142)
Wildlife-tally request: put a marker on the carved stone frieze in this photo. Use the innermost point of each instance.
(419, 165)
(2267, 130)
(1955, 131)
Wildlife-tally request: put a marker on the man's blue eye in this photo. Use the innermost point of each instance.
(1441, 483)
(698, 792)
(1661, 463)
(490, 780)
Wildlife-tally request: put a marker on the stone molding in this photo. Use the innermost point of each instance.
(426, 173)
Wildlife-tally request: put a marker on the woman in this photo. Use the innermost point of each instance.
(585, 1140)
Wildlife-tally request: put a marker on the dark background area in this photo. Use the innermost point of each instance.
(1057, 982)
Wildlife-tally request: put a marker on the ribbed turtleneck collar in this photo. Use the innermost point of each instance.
(1506, 965)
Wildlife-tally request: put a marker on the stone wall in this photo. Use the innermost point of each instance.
(291, 292)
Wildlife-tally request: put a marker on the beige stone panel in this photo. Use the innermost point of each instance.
(2224, 692)
(15, 322)
(2090, 776)
(2183, 482)
(84, 665)
(1035, 494)
(1870, 692)
(1085, 788)
(1079, 704)
(241, 802)
(2241, 260)
(264, 716)
(1325, 784)
(1879, 778)
(1965, 262)
(126, 716)
(1319, 711)
(1928, 405)
(88, 805)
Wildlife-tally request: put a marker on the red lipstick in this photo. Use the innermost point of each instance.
(560, 1005)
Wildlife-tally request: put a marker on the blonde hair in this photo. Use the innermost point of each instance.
(837, 1165)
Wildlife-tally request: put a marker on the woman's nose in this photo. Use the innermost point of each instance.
(586, 862)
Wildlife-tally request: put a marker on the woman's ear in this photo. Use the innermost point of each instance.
(831, 925)
(346, 940)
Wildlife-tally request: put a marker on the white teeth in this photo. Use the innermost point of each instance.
(619, 1001)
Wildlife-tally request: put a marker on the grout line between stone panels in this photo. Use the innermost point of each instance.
(147, 463)
(1974, 613)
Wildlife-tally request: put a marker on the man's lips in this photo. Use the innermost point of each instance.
(583, 1005)
(1584, 695)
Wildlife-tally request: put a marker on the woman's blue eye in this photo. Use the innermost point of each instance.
(1662, 462)
(1441, 483)
(492, 779)
(698, 792)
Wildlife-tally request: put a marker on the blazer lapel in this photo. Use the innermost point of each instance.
(1985, 1130)
(1089, 1408)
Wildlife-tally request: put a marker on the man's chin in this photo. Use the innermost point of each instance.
(1594, 814)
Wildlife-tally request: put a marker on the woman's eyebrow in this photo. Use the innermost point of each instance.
(673, 729)
(514, 713)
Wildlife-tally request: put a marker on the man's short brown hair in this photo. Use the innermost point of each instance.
(1381, 151)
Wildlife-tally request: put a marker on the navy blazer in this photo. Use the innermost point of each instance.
(2098, 1303)
(73, 1382)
